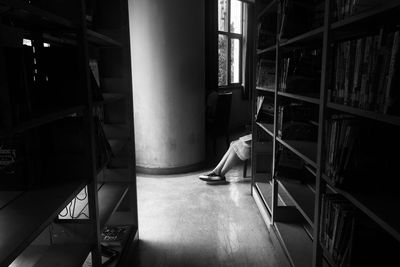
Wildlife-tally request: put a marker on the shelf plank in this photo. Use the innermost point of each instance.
(296, 243)
(307, 150)
(29, 214)
(269, 128)
(43, 118)
(30, 256)
(371, 15)
(269, 8)
(308, 99)
(310, 35)
(110, 196)
(109, 98)
(65, 255)
(33, 15)
(266, 50)
(265, 213)
(265, 191)
(101, 39)
(117, 145)
(302, 197)
(8, 196)
(375, 207)
(263, 89)
(395, 120)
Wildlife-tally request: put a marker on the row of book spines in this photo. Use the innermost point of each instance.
(337, 227)
(348, 8)
(340, 138)
(364, 73)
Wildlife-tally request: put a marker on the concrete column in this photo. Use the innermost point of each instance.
(167, 48)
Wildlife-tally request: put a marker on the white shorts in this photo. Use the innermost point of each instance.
(242, 149)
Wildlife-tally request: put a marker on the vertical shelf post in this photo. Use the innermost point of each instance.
(90, 130)
(320, 186)
(274, 141)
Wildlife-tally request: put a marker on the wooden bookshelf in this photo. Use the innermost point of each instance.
(390, 119)
(37, 205)
(308, 99)
(36, 17)
(378, 13)
(110, 196)
(266, 50)
(298, 221)
(99, 39)
(296, 243)
(305, 37)
(270, 7)
(304, 149)
(42, 119)
(263, 89)
(26, 216)
(374, 206)
(302, 196)
(269, 128)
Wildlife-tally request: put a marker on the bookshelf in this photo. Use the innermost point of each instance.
(67, 162)
(329, 184)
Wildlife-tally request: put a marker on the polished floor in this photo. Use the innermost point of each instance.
(185, 222)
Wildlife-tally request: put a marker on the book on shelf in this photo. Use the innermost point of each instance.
(265, 109)
(294, 121)
(366, 73)
(300, 71)
(266, 74)
(337, 227)
(347, 8)
(357, 151)
(95, 80)
(298, 17)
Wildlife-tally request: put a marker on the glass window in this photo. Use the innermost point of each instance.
(236, 17)
(235, 60)
(230, 16)
(222, 60)
(223, 15)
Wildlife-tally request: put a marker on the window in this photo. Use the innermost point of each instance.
(230, 37)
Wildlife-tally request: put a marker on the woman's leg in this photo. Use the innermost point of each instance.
(221, 163)
(229, 160)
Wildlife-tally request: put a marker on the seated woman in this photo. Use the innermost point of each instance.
(238, 151)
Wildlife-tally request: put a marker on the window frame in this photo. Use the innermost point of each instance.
(230, 35)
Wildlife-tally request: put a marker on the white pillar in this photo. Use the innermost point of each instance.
(167, 48)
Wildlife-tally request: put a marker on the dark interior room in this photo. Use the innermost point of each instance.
(191, 133)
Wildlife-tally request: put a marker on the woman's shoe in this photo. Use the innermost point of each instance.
(212, 177)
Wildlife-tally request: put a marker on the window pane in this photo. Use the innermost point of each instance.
(236, 16)
(223, 15)
(222, 60)
(235, 60)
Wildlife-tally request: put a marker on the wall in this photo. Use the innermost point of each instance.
(167, 47)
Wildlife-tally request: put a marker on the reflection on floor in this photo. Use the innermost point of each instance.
(185, 222)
